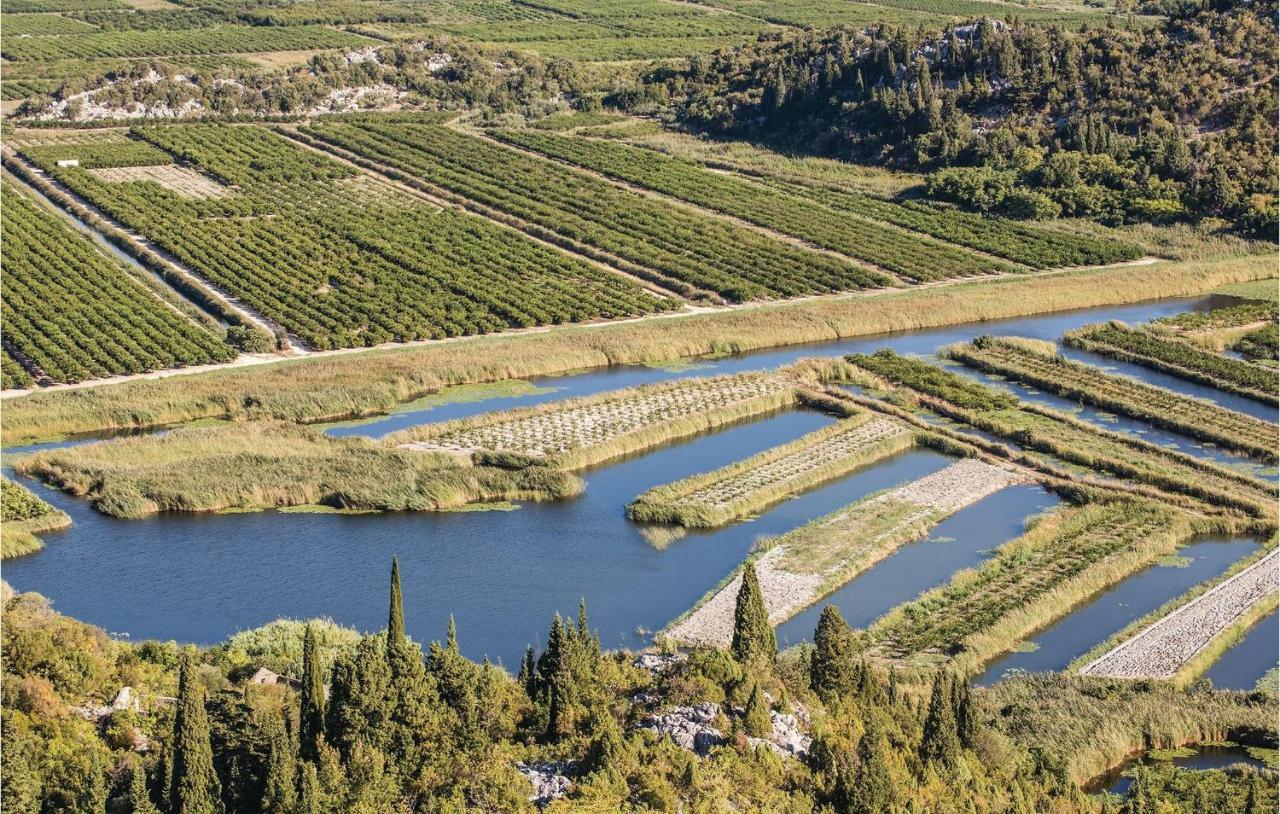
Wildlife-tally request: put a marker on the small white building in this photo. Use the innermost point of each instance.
(68, 162)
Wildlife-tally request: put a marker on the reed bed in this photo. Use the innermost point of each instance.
(577, 433)
(1094, 724)
(800, 567)
(746, 487)
(1119, 394)
(268, 464)
(342, 386)
(1163, 648)
(23, 515)
(1069, 439)
(1175, 357)
(1064, 558)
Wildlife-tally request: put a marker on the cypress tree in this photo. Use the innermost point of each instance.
(1251, 804)
(873, 789)
(528, 677)
(757, 721)
(310, 795)
(395, 618)
(311, 727)
(139, 797)
(280, 795)
(831, 668)
(965, 715)
(939, 745)
(753, 637)
(195, 788)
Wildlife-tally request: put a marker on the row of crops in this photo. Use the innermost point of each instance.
(681, 245)
(913, 256)
(1155, 405)
(1208, 486)
(228, 39)
(75, 314)
(1019, 242)
(340, 264)
(1176, 357)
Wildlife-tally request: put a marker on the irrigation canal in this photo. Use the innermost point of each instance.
(503, 574)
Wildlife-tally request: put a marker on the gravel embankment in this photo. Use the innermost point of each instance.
(1161, 649)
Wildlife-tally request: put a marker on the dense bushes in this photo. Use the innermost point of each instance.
(926, 378)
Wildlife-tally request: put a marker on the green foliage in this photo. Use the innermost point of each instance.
(213, 40)
(194, 788)
(831, 667)
(679, 248)
(940, 744)
(1177, 357)
(1007, 132)
(280, 646)
(75, 314)
(934, 381)
(756, 720)
(250, 339)
(312, 701)
(753, 637)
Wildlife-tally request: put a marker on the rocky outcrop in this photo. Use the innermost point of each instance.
(786, 739)
(550, 781)
(690, 727)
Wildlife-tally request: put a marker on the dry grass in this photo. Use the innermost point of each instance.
(282, 59)
(267, 464)
(182, 180)
(353, 385)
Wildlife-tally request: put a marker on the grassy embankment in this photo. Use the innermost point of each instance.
(747, 487)
(340, 386)
(1026, 362)
(1095, 723)
(1177, 358)
(1220, 328)
(1065, 557)
(578, 433)
(800, 567)
(1215, 488)
(23, 515)
(1222, 642)
(269, 464)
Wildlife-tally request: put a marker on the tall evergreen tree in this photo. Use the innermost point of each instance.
(528, 677)
(753, 637)
(965, 714)
(395, 616)
(831, 668)
(873, 788)
(280, 795)
(310, 795)
(139, 798)
(311, 720)
(756, 721)
(939, 746)
(195, 786)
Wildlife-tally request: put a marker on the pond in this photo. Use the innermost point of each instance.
(503, 574)
(1200, 758)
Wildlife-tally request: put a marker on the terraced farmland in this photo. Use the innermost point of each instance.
(1065, 557)
(1069, 439)
(335, 258)
(72, 313)
(915, 257)
(199, 41)
(1178, 358)
(738, 490)
(803, 565)
(582, 432)
(686, 249)
(1162, 649)
(1155, 405)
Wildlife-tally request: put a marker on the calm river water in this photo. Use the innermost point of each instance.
(200, 578)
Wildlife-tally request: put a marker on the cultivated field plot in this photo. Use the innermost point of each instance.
(803, 565)
(1069, 439)
(1032, 580)
(914, 257)
(746, 487)
(687, 250)
(1161, 650)
(581, 432)
(1018, 242)
(1249, 329)
(72, 313)
(828, 13)
(16, 25)
(182, 180)
(1155, 405)
(294, 237)
(230, 39)
(1176, 357)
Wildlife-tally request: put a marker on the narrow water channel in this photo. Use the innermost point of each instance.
(1110, 611)
(1250, 660)
(964, 540)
